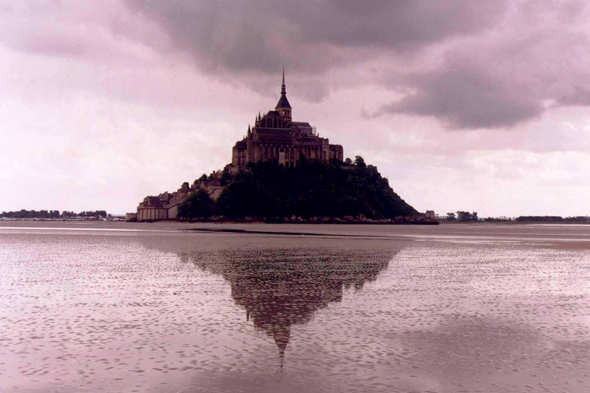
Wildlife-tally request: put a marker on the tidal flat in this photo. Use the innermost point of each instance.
(166, 307)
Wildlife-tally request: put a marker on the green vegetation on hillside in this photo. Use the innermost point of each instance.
(313, 189)
(197, 205)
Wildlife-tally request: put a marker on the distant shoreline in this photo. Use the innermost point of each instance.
(323, 220)
(408, 221)
(401, 221)
(116, 219)
(513, 222)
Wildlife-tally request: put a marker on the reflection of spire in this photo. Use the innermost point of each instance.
(274, 287)
(282, 292)
(281, 335)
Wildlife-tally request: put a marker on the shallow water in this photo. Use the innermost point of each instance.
(118, 307)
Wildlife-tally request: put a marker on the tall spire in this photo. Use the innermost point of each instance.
(283, 105)
(283, 88)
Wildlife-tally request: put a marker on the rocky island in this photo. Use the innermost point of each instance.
(283, 171)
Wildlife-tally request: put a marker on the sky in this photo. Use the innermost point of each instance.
(478, 106)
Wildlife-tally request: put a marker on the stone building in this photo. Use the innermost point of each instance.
(275, 137)
(165, 206)
(151, 209)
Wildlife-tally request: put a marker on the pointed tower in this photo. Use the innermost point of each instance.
(283, 106)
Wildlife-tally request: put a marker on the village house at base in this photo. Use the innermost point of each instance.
(274, 137)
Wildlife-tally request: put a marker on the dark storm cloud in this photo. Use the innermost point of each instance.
(469, 64)
(503, 61)
(399, 25)
(464, 100)
(465, 93)
(500, 83)
(311, 36)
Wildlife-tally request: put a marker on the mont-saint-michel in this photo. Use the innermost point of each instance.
(247, 271)
(283, 171)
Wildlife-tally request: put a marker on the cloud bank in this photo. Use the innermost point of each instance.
(471, 65)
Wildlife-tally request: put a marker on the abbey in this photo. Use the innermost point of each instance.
(275, 137)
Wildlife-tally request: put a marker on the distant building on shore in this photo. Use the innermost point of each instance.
(274, 137)
(165, 206)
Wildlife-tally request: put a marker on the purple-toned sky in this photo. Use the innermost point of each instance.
(463, 105)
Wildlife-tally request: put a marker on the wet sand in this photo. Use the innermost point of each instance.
(168, 307)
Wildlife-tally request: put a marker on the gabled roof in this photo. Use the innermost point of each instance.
(302, 124)
(304, 127)
(272, 114)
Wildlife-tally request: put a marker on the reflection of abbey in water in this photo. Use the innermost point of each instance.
(281, 287)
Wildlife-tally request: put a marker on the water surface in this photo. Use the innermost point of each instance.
(118, 307)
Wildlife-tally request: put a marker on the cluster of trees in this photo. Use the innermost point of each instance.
(312, 189)
(31, 214)
(51, 214)
(579, 219)
(466, 216)
(462, 216)
(197, 205)
(539, 218)
(94, 213)
(498, 219)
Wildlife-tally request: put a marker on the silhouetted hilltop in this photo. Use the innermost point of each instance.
(311, 190)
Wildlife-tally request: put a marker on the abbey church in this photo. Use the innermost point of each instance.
(276, 137)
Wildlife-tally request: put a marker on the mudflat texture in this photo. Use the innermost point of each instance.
(115, 307)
